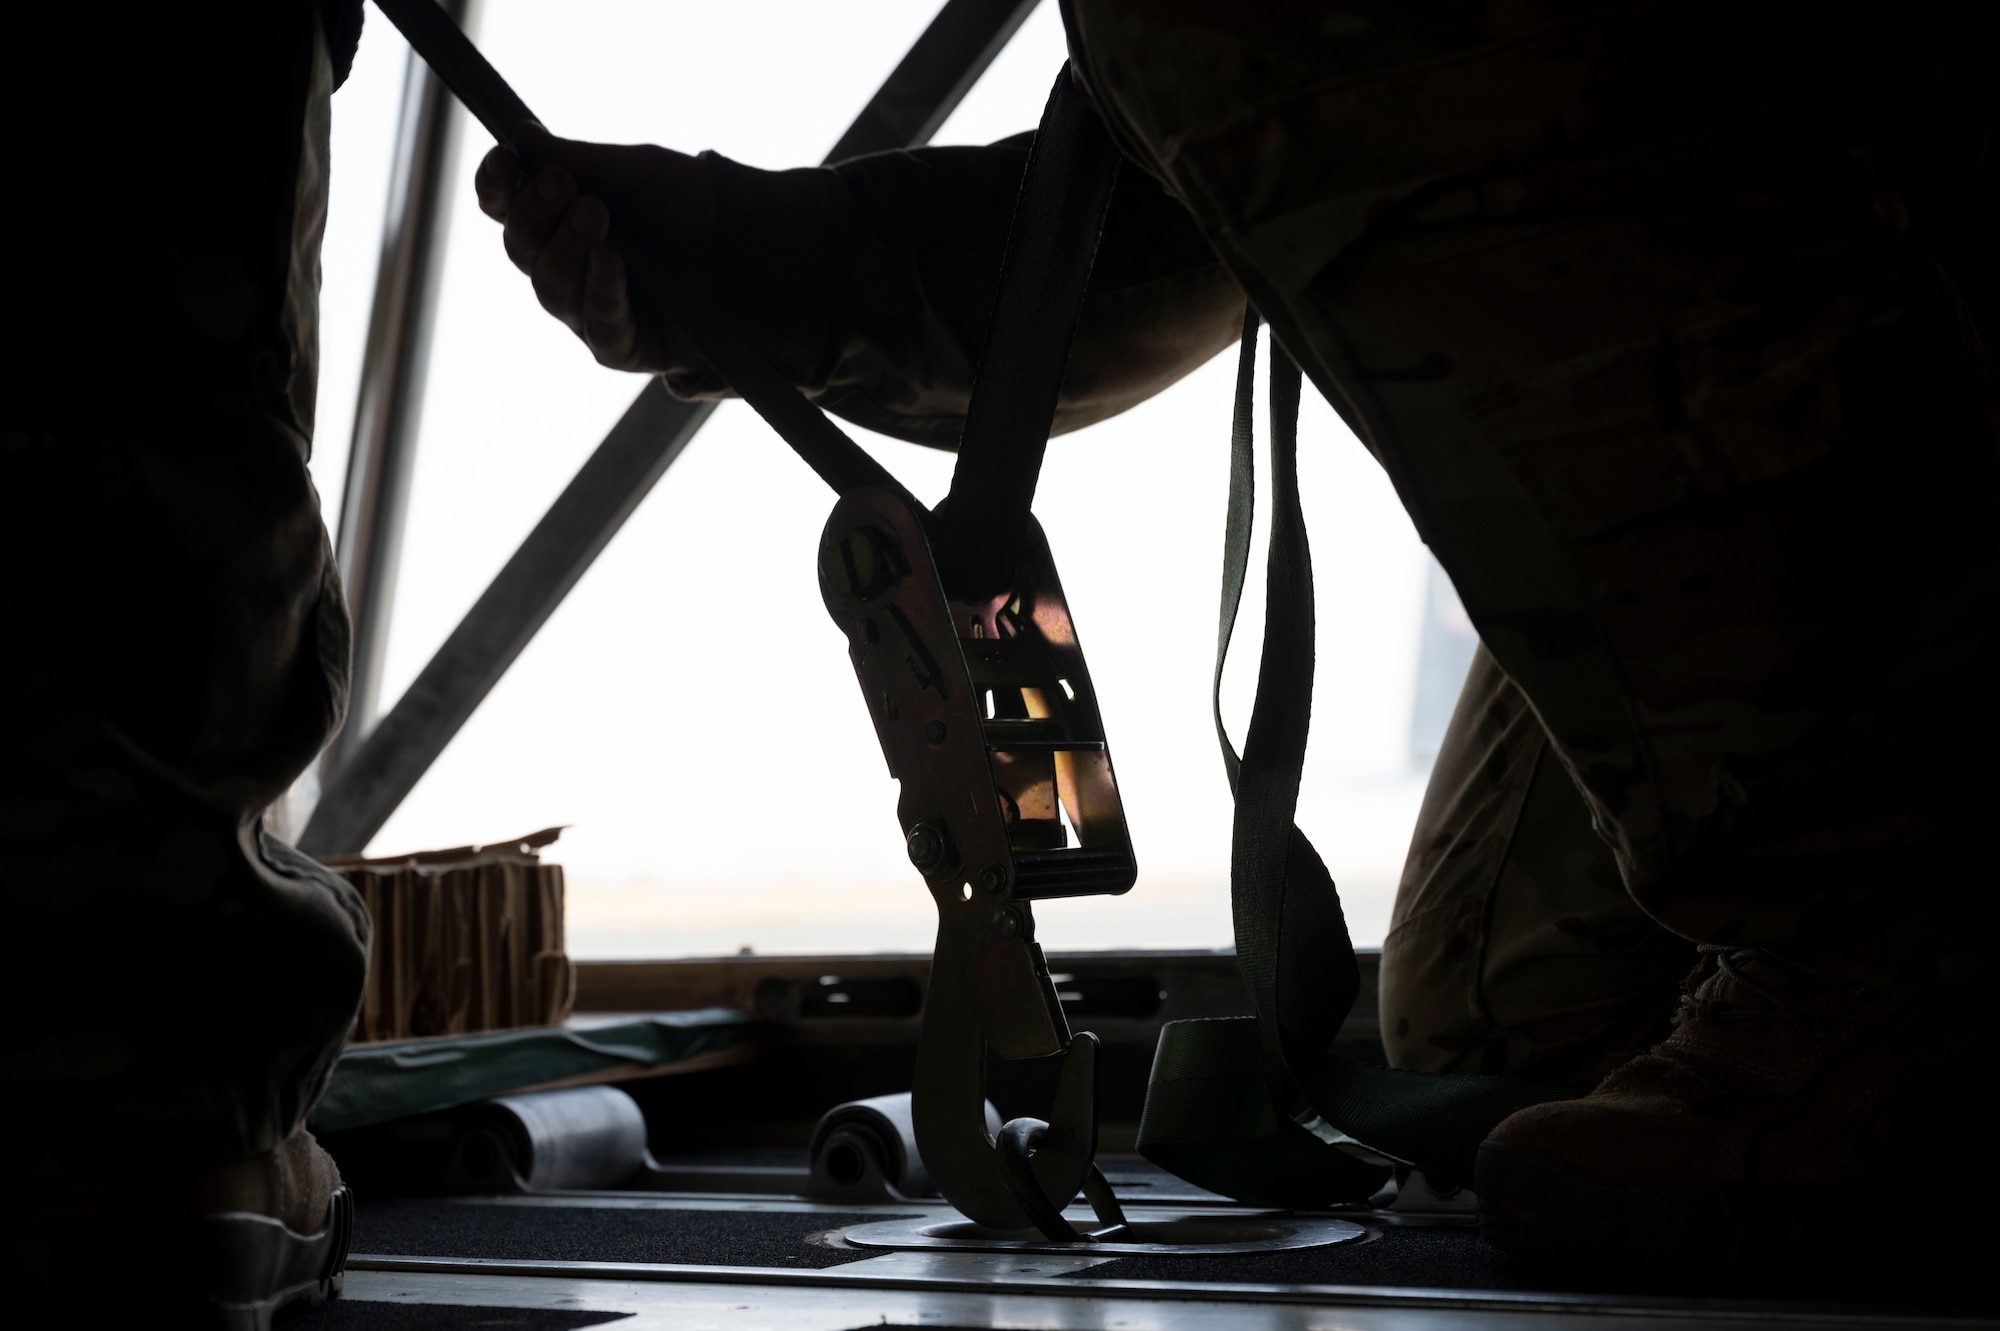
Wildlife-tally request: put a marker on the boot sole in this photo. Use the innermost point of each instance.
(257, 1265)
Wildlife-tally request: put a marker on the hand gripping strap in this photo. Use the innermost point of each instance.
(677, 292)
(1051, 244)
(1300, 1123)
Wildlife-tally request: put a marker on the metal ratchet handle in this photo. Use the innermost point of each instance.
(987, 720)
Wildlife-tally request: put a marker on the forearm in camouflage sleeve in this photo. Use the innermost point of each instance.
(869, 284)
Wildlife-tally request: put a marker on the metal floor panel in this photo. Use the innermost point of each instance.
(853, 1303)
(1061, 1291)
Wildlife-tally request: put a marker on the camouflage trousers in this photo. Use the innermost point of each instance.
(1514, 947)
(178, 984)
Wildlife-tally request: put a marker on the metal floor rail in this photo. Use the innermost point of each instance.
(934, 1289)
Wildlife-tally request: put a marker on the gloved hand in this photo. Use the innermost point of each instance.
(555, 232)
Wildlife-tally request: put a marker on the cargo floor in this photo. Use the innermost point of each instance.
(746, 1262)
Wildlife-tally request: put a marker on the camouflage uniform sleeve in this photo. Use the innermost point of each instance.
(869, 283)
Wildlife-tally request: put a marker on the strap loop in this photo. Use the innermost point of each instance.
(1051, 245)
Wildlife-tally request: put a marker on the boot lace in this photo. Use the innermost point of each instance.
(1779, 1005)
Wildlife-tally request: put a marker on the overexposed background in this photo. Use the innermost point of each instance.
(690, 709)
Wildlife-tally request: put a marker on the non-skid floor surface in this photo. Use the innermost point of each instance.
(1428, 1257)
(602, 1234)
(357, 1315)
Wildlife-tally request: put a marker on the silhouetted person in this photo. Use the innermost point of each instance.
(178, 984)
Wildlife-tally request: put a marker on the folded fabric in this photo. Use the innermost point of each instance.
(380, 1082)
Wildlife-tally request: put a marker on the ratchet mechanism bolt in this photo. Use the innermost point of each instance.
(927, 846)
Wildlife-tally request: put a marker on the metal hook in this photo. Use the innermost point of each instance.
(948, 1105)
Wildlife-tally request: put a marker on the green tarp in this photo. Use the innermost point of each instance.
(376, 1083)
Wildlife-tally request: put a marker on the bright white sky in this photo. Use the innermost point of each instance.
(690, 708)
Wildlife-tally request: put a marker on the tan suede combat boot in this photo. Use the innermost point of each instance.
(220, 1249)
(1765, 1134)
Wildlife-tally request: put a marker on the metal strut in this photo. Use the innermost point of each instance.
(987, 717)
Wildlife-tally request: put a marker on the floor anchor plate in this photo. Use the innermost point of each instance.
(1155, 1236)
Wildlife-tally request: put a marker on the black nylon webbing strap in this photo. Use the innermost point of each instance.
(1220, 1102)
(1279, 886)
(1282, 900)
(1292, 945)
(1051, 244)
(1236, 527)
